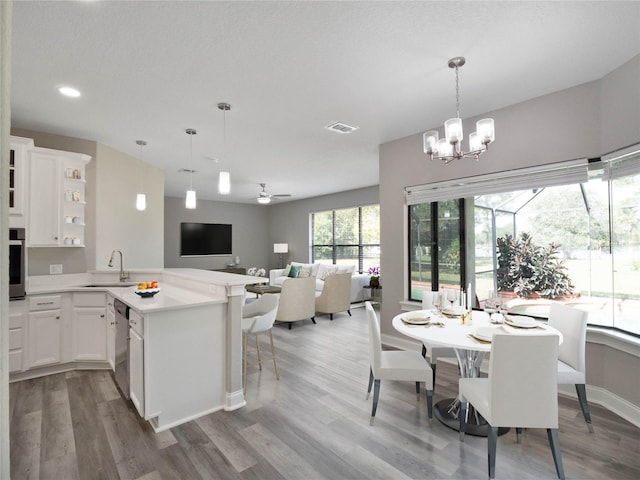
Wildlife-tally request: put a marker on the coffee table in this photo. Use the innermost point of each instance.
(260, 288)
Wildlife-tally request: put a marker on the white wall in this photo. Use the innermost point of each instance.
(117, 223)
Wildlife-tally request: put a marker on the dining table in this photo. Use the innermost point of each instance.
(471, 340)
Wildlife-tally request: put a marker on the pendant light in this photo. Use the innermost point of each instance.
(449, 148)
(224, 177)
(141, 198)
(190, 200)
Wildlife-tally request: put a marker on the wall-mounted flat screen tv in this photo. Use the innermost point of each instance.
(199, 239)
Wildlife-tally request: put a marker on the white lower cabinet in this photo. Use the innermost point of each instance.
(111, 333)
(17, 327)
(45, 334)
(136, 361)
(89, 327)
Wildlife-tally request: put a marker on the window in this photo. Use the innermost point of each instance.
(349, 236)
(588, 210)
(436, 246)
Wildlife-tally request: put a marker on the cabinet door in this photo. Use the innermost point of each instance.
(111, 334)
(136, 370)
(44, 337)
(89, 334)
(44, 201)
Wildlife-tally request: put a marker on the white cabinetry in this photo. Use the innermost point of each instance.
(89, 327)
(18, 155)
(45, 330)
(56, 198)
(111, 333)
(17, 327)
(136, 361)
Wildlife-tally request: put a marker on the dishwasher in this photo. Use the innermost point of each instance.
(121, 374)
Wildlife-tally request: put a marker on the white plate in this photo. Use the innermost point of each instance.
(520, 321)
(483, 333)
(416, 318)
(457, 310)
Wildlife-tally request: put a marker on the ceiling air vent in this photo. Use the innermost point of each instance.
(186, 170)
(341, 127)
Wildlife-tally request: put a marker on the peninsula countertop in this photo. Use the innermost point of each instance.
(179, 287)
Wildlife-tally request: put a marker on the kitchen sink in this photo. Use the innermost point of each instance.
(109, 284)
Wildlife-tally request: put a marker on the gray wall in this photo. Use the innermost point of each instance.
(289, 222)
(255, 227)
(250, 227)
(584, 121)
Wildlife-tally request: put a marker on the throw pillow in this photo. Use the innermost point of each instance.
(328, 272)
(294, 271)
(304, 272)
(286, 270)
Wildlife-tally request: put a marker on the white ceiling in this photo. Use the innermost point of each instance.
(149, 70)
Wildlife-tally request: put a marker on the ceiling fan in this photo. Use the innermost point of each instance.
(264, 197)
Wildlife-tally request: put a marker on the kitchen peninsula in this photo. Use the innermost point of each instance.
(186, 341)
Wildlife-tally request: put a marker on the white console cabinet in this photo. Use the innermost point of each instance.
(45, 330)
(89, 327)
(56, 198)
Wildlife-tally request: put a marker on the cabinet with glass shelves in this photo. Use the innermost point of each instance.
(57, 198)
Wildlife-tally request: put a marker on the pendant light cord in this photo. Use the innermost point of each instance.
(457, 95)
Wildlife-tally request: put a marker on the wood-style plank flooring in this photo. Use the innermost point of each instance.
(312, 424)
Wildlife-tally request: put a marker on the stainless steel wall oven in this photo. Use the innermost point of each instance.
(17, 274)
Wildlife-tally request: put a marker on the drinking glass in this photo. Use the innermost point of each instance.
(452, 297)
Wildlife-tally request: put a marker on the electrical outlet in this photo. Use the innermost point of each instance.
(55, 269)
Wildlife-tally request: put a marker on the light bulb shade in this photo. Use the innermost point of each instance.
(141, 202)
(190, 200)
(453, 130)
(430, 142)
(280, 248)
(264, 200)
(485, 130)
(224, 183)
(474, 142)
(445, 149)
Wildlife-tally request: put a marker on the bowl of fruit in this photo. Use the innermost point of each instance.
(147, 289)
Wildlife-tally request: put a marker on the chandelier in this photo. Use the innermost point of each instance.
(449, 148)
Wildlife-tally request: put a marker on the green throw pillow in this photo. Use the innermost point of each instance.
(295, 270)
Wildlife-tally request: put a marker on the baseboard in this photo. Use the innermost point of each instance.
(598, 395)
(610, 401)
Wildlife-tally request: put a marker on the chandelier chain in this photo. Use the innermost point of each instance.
(457, 94)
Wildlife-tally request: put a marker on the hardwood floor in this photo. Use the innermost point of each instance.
(312, 424)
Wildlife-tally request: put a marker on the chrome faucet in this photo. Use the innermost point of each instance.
(123, 275)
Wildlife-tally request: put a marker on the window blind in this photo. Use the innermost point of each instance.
(564, 173)
(623, 163)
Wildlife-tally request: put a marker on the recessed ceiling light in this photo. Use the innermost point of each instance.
(69, 91)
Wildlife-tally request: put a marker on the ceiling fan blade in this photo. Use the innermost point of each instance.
(282, 195)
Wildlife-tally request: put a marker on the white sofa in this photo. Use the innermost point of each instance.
(319, 271)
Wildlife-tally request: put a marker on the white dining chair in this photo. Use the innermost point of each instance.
(521, 390)
(572, 323)
(258, 317)
(394, 365)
